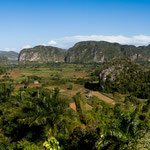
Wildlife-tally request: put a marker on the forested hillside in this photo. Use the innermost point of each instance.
(42, 54)
(125, 77)
(85, 52)
(100, 52)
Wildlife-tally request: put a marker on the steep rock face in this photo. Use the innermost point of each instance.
(91, 51)
(85, 52)
(99, 52)
(42, 54)
(117, 67)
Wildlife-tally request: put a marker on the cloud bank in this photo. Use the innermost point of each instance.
(26, 47)
(67, 42)
(52, 42)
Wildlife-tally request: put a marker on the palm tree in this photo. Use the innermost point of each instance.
(48, 109)
(124, 130)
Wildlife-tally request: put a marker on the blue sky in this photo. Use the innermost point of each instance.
(61, 23)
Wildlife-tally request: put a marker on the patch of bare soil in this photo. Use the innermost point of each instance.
(11, 75)
(19, 86)
(30, 85)
(73, 106)
(34, 85)
(103, 97)
(87, 106)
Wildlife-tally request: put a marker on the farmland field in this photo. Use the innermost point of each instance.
(62, 76)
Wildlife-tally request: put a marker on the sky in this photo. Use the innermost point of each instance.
(62, 23)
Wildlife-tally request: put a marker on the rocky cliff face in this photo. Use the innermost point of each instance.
(99, 52)
(91, 51)
(42, 54)
(85, 52)
(118, 67)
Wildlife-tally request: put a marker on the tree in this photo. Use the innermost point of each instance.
(124, 130)
(51, 144)
(48, 109)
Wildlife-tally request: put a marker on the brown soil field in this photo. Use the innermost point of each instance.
(103, 97)
(34, 85)
(19, 86)
(11, 74)
(30, 85)
(73, 106)
(87, 106)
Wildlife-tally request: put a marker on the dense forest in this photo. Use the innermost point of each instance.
(39, 117)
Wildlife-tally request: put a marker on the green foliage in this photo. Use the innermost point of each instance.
(26, 145)
(31, 79)
(3, 60)
(5, 91)
(51, 144)
(2, 70)
(70, 87)
(80, 102)
(30, 116)
(124, 76)
(84, 138)
(124, 130)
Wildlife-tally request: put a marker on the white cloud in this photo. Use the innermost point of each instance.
(43, 44)
(66, 42)
(26, 47)
(52, 42)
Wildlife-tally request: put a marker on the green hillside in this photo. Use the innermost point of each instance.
(85, 52)
(99, 52)
(42, 54)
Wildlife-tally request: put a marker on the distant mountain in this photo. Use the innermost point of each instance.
(99, 52)
(85, 52)
(11, 55)
(42, 54)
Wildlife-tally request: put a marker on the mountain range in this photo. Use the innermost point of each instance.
(8, 57)
(81, 52)
(85, 52)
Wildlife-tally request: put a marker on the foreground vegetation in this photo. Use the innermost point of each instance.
(35, 110)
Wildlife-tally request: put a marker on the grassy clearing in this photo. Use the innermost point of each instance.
(103, 97)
